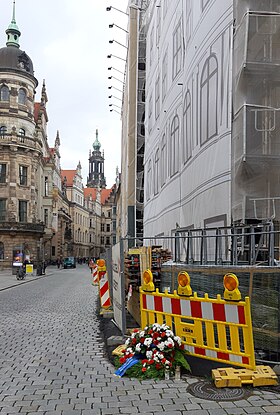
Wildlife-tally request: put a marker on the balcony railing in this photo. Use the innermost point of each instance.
(21, 227)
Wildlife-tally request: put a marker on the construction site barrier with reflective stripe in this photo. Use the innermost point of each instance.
(212, 329)
(95, 274)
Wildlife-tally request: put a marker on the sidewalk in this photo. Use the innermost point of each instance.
(8, 280)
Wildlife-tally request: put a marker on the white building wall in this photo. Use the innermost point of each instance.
(190, 183)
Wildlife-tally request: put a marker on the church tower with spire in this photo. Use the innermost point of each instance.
(96, 166)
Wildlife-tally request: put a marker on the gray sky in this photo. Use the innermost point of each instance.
(68, 42)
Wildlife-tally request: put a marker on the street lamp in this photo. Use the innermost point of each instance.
(113, 77)
(113, 96)
(113, 40)
(110, 87)
(115, 111)
(114, 56)
(109, 8)
(114, 105)
(111, 67)
(114, 24)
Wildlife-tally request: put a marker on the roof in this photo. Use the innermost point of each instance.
(105, 193)
(12, 58)
(69, 174)
(37, 109)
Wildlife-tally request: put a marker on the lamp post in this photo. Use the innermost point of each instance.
(109, 8)
(113, 77)
(114, 56)
(111, 110)
(114, 24)
(115, 69)
(115, 41)
(110, 87)
(113, 96)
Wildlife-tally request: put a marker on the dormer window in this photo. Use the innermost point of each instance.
(22, 96)
(4, 93)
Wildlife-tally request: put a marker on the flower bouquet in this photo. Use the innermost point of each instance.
(151, 353)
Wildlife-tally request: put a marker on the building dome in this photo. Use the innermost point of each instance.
(12, 57)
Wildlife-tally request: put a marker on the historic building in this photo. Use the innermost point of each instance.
(35, 216)
(96, 176)
(23, 149)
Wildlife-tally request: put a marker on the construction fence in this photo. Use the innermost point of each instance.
(261, 283)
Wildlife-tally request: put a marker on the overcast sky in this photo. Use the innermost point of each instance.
(68, 42)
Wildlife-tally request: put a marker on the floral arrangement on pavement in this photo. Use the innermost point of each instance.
(151, 353)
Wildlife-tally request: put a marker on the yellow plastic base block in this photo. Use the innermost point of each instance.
(118, 351)
(233, 378)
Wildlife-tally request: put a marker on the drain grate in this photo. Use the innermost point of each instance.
(207, 390)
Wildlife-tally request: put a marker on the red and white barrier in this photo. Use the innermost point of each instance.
(95, 274)
(104, 291)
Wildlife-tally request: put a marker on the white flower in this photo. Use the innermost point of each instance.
(129, 350)
(161, 346)
(142, 333)
(138, 347)
(169, 333)
(149, 354)
(127, 342)
(169, 342)
(148, 342)
(178, 340)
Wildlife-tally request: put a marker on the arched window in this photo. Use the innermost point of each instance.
(4, 93)
(156, 172)
(21, 133)
(187, 128)
(1, 250)
(3, 131)
(174, 146)
(163, 160)
(208, 100)
(22, 96)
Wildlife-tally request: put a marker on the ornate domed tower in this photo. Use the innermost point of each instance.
(96, 166)
(20, 154)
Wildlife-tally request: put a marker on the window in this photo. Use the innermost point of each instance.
(46, 186)
(163, 161)
(108, 242)
(46, 217)
(108, 227)
(102, 240)
(109, 213)
(158, 28)
(150, 113)
(152, 35)
(4, 93)
(22, 211)
(22, 96)
(3, 173)
(149, 180)
(187, 137)
(53, 250)
(102, 227)
(204, 3)
(174, 145)
(177, 51)
(157, 96)
(23, 175)
(156, 175)
(3, 210)
(188, 25)
(208, 100)
(21, 133)
(164, 76)
(1, 250)
(3, 131)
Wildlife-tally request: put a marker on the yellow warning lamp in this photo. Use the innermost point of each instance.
(101, 264)
(231, 284)
(184, 287)
(148, 284)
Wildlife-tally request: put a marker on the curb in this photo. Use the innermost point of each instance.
(25, 282)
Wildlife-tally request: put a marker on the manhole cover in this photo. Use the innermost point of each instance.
(207, 390)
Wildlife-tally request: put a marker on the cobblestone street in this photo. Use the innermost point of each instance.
(52, 360)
